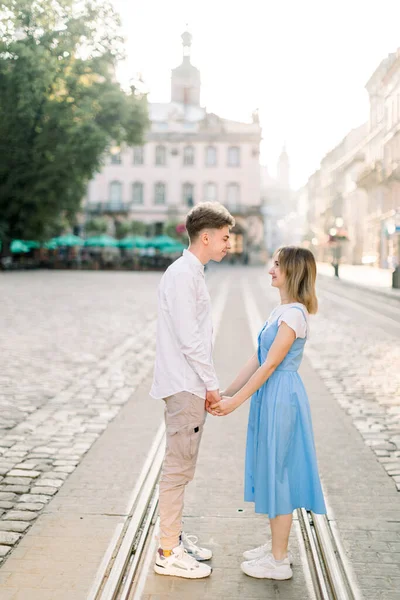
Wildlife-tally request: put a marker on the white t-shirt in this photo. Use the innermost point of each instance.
(292, 317)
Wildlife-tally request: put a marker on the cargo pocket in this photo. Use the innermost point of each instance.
(178, 443)
(195, 433)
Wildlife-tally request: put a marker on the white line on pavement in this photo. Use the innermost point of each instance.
(377, 316)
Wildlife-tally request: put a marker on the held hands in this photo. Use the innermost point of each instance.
(225, 406)
(212, 397)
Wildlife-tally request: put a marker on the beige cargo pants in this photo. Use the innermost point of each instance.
(184, 420)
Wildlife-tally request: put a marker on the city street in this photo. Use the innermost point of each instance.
(76, 424)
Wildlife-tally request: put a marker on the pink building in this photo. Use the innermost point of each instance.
(189, 156)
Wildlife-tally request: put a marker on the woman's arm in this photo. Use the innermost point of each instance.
(279, 349)
(244, 375)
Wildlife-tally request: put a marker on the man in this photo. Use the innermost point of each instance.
(184, 377)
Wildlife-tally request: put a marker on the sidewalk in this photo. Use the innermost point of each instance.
(377, 280)
(59, 557)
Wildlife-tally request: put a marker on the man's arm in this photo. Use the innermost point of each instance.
(181, 301)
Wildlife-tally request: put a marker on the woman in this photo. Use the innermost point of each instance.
(281, 467)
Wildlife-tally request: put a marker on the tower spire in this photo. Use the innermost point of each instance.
(186, 43)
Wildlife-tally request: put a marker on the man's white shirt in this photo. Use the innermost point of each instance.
(184, 331)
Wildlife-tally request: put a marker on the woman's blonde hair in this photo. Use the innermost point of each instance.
(300, 269)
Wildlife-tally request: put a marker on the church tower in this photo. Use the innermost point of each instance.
(283, 169)
(185, 79)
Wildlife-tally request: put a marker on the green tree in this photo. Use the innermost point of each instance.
(122, 229)
(61, 109)
(137, 228)
(96, 226)
(171, 228)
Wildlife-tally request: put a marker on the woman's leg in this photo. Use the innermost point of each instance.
(280, 529)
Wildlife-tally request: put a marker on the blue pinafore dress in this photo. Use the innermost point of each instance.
(281, 466)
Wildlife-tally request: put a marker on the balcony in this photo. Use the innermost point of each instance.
(371, 176)
(101, 208)
(392, 173)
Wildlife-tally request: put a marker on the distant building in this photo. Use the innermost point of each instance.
(281, 222)
(189, 156)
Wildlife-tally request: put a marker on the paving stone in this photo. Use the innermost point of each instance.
(23, 473)
(16, 480)
(44, 491)
(4, 550)
(19, 515)
(37, 506)
(8, 538)
(17, 489)
(42, 498)
(50, 482)
(16, 526)
(64, 469)
(8, 496)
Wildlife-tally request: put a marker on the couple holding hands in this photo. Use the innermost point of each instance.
(281, 472)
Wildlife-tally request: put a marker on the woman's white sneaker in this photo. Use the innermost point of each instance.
(190, 544)
(260, 552)
(180, 564)
(268, 568)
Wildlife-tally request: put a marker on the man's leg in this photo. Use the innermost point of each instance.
(184, 421)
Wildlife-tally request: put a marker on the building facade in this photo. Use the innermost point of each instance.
(281, 219)
(357, 187)
(190, 155)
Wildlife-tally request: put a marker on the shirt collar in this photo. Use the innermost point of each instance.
(193, 260)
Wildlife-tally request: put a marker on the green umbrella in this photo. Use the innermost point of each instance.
(31, 244)
(101, 241)
(18, 246)
(161, 242)
(50, 245)
(133, 241)
(67, 240)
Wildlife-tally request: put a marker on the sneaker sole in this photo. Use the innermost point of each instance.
(245, 556)
(178, 573)
(270, 576)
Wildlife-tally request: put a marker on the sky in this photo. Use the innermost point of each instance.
(303, 63)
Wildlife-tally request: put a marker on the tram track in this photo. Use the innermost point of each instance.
(124, 573)
(121, 576)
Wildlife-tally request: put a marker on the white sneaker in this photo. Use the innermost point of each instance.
(257, 553)
(181, 564)
(190, 544)
(268, 568)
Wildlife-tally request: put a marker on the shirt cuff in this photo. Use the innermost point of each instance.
(211, 384)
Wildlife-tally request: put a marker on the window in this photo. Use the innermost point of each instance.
(210, 192)
(115, 192)
(138, 155)
(188, 155)
(116, 157)
(211, 156)
(233, 196)
(161, 156)
(233, 156)
(137, 193)
(159, 193)
(188, 194)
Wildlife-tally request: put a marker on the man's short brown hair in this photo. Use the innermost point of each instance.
(207, 215)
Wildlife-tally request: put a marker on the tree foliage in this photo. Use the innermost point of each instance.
(61, 109)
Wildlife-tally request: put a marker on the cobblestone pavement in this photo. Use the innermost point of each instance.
(357, 355)
(74, 347)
